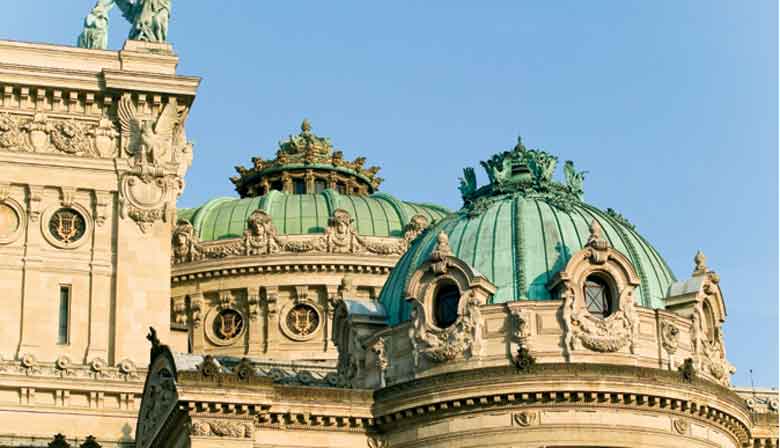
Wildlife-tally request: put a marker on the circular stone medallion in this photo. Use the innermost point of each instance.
(228, 324)
(67, 225)
(9, 221)
(303, 320)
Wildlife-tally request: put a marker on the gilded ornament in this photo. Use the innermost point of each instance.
(67, 225)
(228, 324)
(302, 320)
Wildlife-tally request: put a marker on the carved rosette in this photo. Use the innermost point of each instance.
(620, 328)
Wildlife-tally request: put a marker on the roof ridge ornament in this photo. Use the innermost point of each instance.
(305, 151)
(148, 21)
(598, 245)
(701, 263)
(440, 253)
(523, 171)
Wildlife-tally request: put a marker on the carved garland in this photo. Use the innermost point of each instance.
(261, 238)
(620, 328)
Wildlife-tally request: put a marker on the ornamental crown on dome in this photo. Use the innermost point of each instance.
(522, 171)
(306, 150)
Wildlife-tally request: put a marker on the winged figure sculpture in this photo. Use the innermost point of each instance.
(148, 141)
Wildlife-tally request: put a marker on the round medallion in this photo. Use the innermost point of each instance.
(9, 221)
(67, 225)
(228, 324)
(302, 320)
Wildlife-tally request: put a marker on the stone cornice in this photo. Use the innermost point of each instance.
(282, 264)
(563, 385)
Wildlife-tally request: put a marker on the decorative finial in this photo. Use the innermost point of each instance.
(597, 244)
(701, 263)
(440, 253)
(443, 244)
(306, 126)
(595, 232)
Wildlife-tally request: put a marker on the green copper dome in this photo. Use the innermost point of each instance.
(379, 214)
(521, 229)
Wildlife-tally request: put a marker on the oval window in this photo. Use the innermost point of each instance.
(597, 297)
(445, 305)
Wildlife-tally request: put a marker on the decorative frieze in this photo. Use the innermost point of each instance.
(261, 238)
(221, 428)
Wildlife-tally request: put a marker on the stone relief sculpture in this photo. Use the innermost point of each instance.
(95, 32)
(40, 133)
(620, 328)
(148, 142)
(463, 338)
(709, 349)
(261, 238)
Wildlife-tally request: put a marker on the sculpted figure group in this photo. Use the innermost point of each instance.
(148, 19)
(261, 238)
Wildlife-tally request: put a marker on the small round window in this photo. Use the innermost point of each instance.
(445, 305)
(597, 297)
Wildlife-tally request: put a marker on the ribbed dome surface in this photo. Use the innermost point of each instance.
(294, 214)
(519, 243)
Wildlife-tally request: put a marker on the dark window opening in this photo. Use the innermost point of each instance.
(299, 186)
(341, 188)
(597, 297)
(277, 185)
(64, 315)
(319, 186)
(445, 305)
(260, 191)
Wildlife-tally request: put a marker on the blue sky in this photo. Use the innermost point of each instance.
(670, 105)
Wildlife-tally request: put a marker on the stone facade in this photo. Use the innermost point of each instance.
(273, 338)
(92, 156)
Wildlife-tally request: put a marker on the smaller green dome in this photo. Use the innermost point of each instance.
(521, 229)
(379, 214)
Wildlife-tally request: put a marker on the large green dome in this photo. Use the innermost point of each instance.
(379, 214)
(522, 229)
